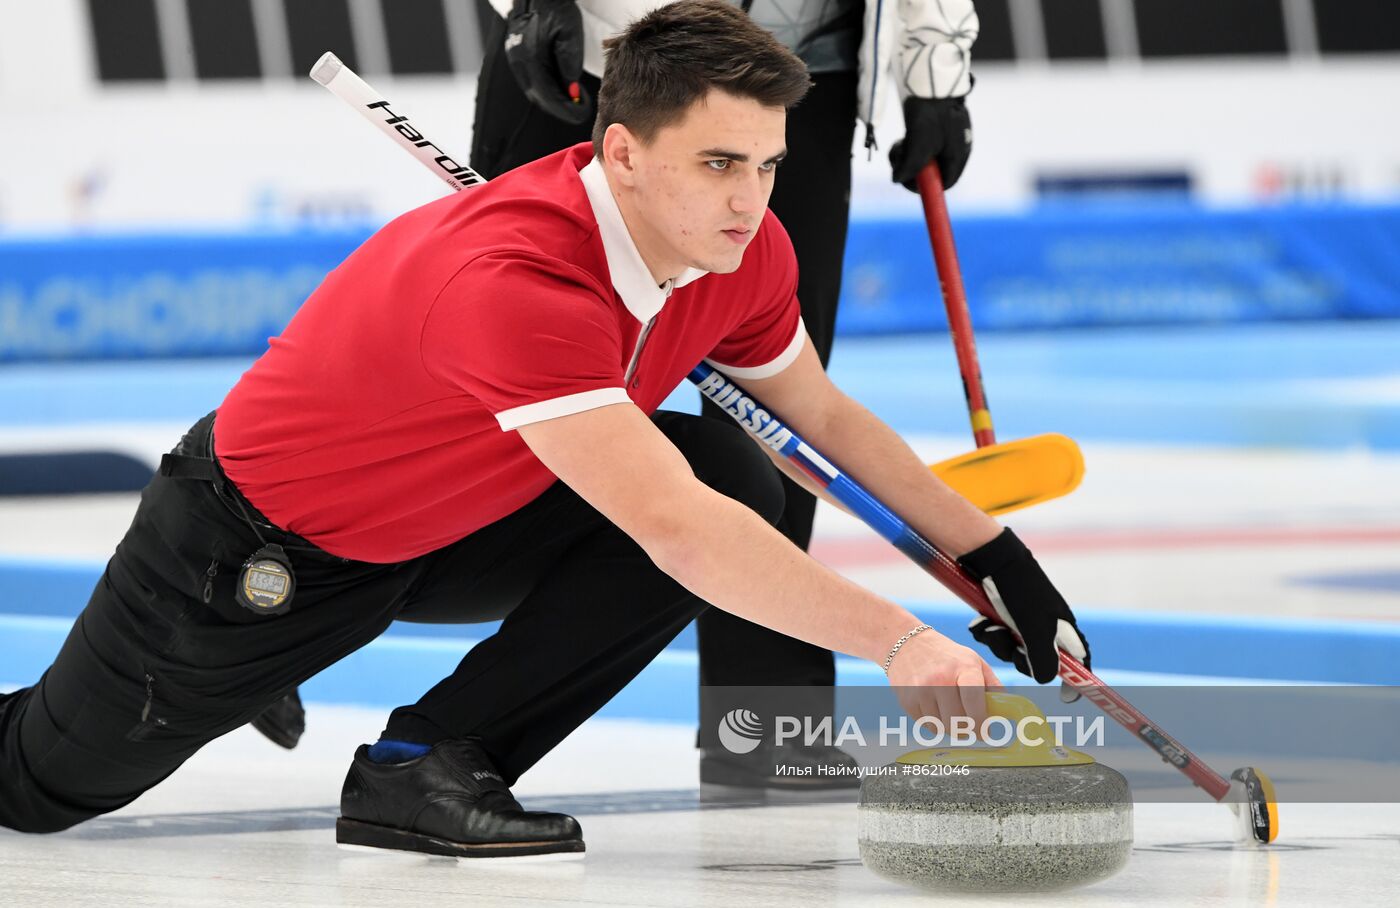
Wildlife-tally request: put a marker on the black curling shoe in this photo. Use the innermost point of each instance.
(451, 801)
(284, 722)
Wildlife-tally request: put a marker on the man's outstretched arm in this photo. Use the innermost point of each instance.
(727, 555)
(862, 445)
(871, 452)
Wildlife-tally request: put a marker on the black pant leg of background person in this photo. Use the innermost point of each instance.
(811, 197)
(593, 611)
(508, 130)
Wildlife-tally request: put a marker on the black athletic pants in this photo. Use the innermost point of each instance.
(152, 671)
(811, 197)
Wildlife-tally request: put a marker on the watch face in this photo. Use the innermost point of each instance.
(265, 585)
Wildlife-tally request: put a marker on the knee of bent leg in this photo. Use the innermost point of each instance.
(734, 465)
(42, 825)
(25, 806)
(35, 815)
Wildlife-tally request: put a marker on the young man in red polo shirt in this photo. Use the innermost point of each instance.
(460, 425)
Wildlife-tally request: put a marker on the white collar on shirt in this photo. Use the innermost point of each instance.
(630, 275)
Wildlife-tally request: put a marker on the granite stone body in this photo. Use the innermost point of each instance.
(1024, 829)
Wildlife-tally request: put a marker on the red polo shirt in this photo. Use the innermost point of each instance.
(380, 423)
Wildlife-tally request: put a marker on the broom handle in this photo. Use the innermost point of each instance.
(735, 401)
(945, 256)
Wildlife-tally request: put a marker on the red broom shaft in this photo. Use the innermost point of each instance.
(945, 255)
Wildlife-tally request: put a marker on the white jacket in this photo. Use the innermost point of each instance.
(923, 46)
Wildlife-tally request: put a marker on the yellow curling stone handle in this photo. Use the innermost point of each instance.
(1037, 749)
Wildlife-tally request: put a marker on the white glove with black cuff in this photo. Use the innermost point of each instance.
(934, 72)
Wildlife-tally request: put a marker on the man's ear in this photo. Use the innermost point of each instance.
(620, 150)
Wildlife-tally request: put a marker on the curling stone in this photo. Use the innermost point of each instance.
(1023, 817)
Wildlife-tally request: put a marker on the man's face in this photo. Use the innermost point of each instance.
(701, 185)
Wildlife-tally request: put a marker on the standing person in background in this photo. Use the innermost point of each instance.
(539, 76)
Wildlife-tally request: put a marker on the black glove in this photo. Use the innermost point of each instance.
(1029, 605)
(544, 47)
(935, 129)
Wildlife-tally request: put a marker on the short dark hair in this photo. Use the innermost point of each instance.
(670, 58)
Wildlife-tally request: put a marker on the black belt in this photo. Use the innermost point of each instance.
(177, 465)
(207, 469)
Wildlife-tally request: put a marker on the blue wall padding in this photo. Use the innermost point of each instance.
(221, 294)
(1116, 265)
(213, 294)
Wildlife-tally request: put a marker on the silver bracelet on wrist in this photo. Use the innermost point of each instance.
(899, 644)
